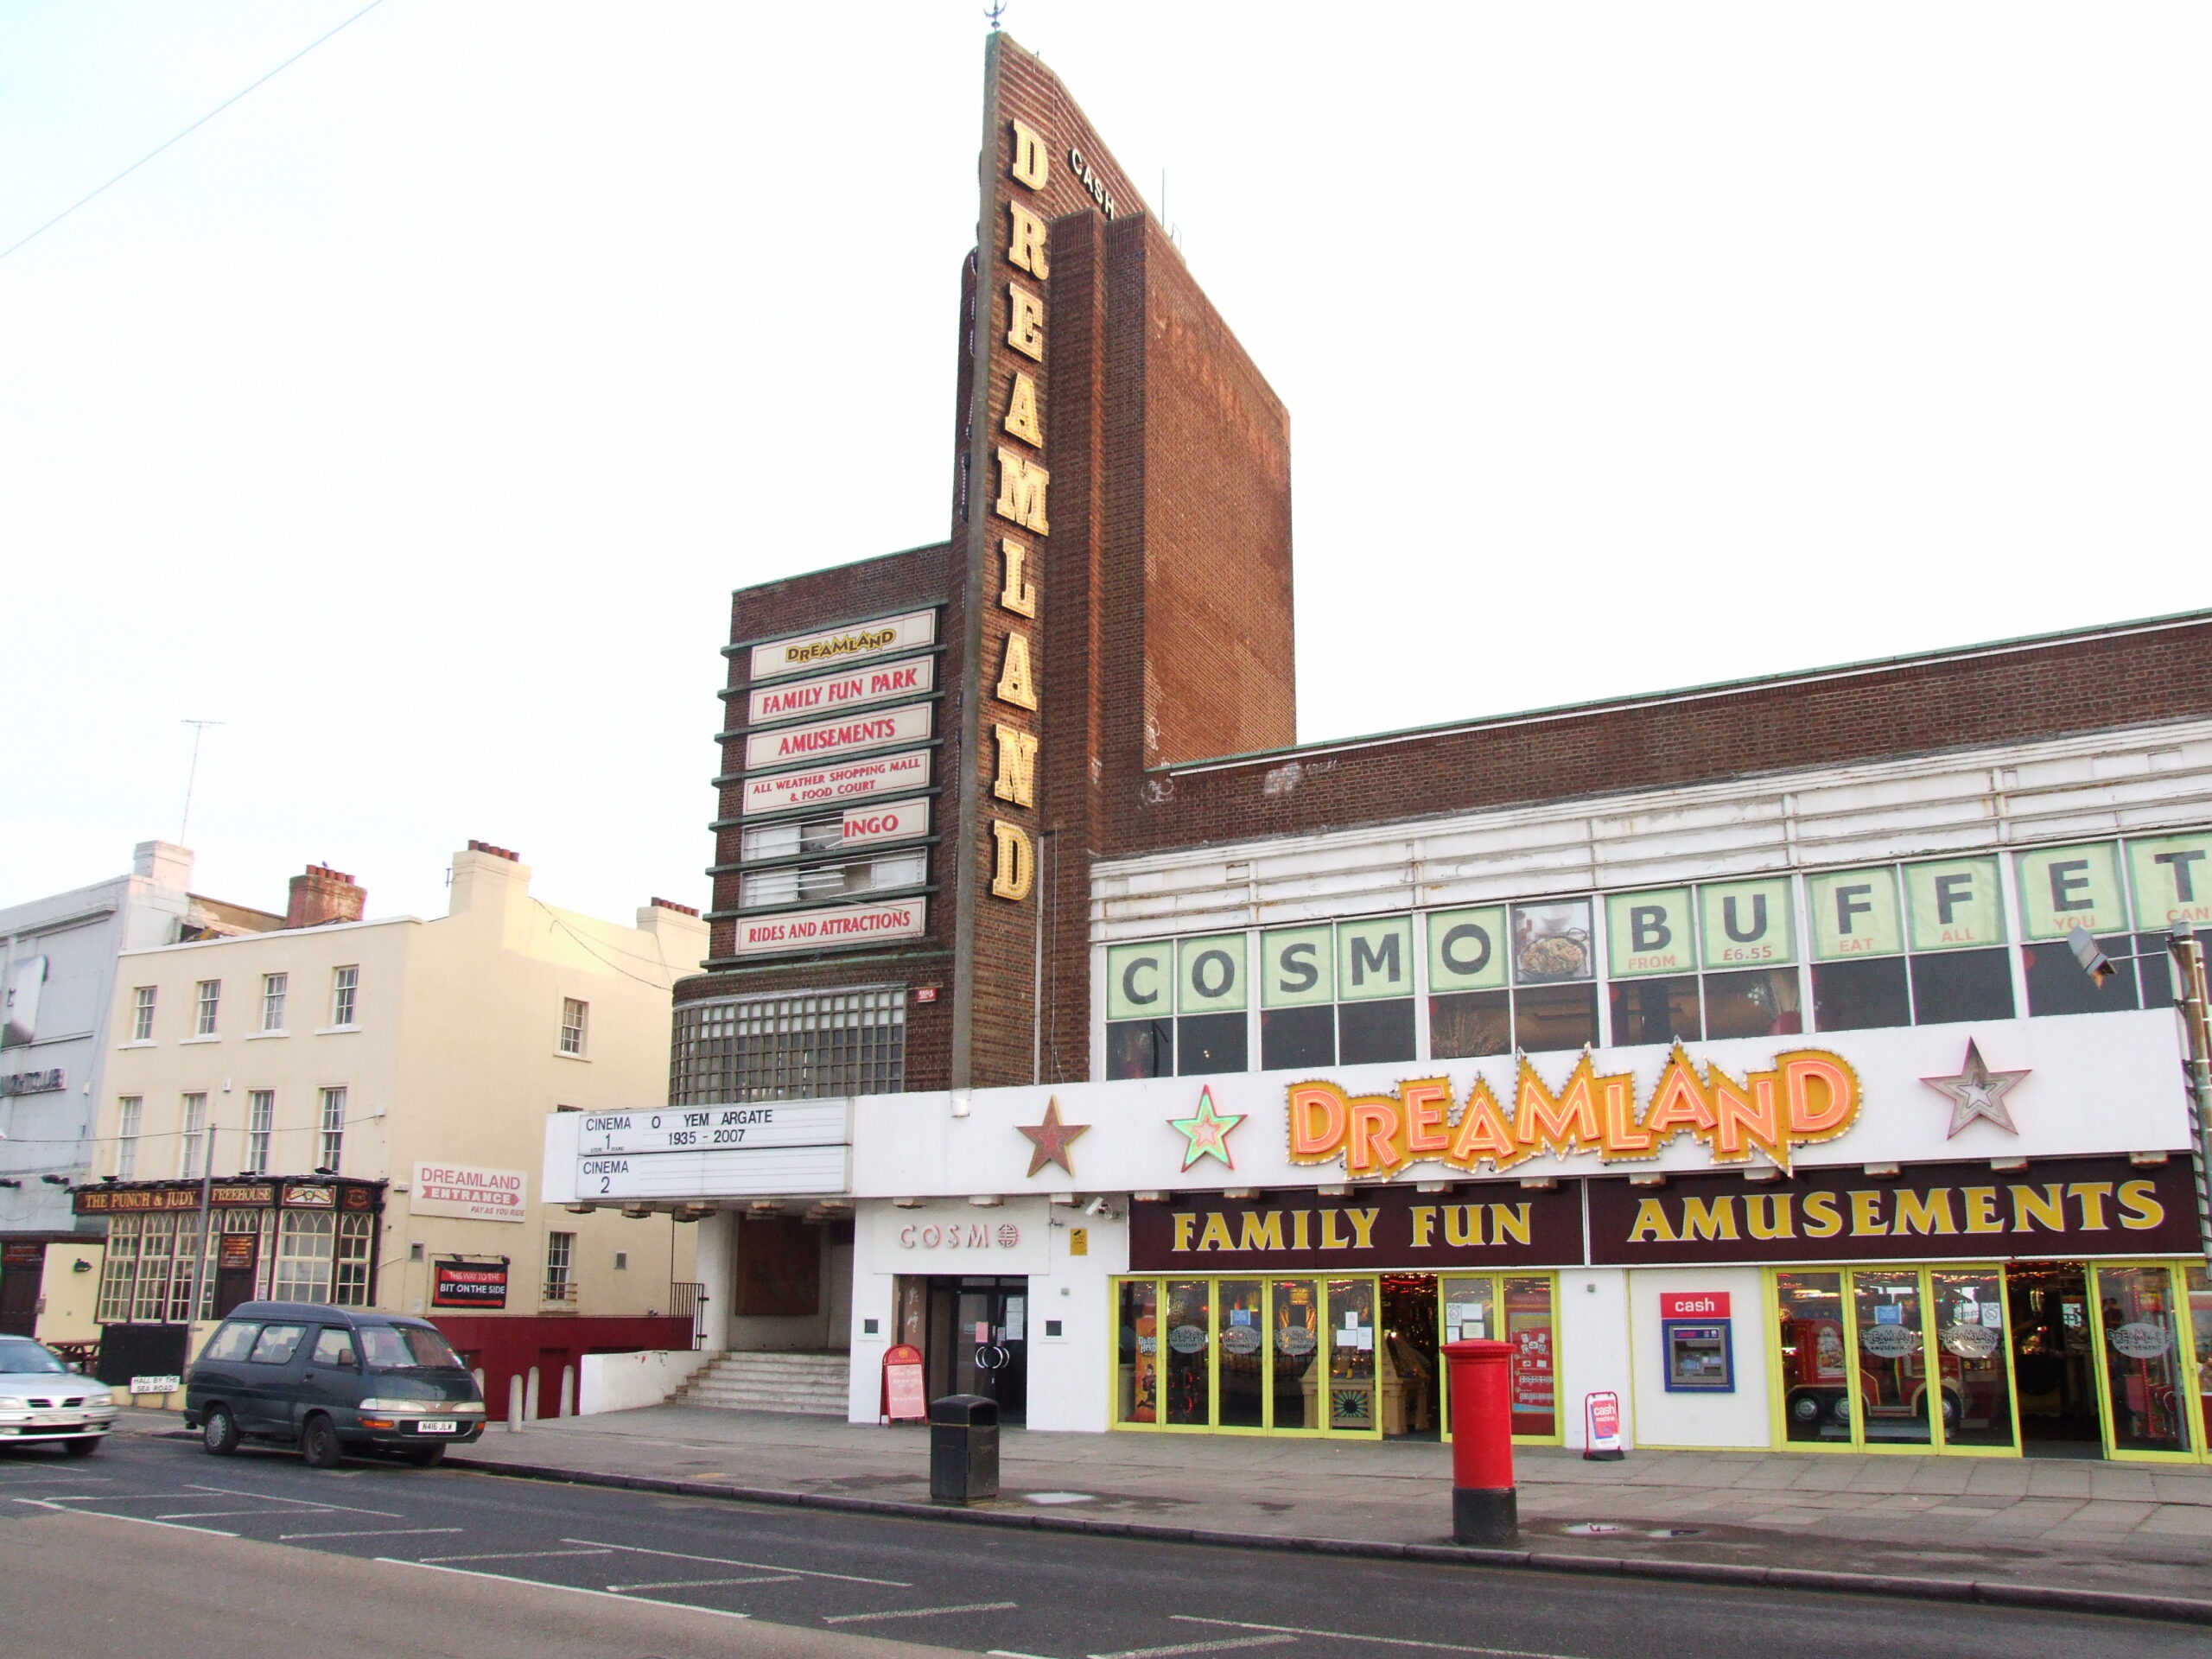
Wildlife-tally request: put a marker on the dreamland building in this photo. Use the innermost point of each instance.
(1721, 1049)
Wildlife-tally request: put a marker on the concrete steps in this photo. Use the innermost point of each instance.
(806, 1384)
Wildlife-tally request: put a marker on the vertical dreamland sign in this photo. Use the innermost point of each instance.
(1043, 166)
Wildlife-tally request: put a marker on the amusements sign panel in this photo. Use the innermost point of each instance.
(2079, 1207)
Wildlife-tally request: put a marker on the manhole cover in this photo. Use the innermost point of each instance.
(1058, 1497)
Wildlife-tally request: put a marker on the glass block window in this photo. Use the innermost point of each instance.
(802, 1048)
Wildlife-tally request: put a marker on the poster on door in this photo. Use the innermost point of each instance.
(1528, 1328)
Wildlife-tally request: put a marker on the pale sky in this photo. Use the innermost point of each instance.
(417, 416)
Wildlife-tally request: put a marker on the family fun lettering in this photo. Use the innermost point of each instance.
(1809, 1096)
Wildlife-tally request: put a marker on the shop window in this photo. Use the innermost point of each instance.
(1533, 1367)
(1291, 1038)
(1351, 1354)
(1957, 985)
(1757, 1002)
(1858, 995)
(1206, 1043)
(2200, 1319)
(2139, 1328)
(1555, 1017)
(1136, 1377)
(1373, 1031)
(1185, 1392)
(1974, 1358)
(1140, 1048)
(1468, 1025)
(303, 1252)
(1657, 1010)
(1815, 1363)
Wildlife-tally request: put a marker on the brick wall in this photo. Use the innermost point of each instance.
(1944, 700)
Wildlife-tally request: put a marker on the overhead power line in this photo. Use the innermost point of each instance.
(193, 128)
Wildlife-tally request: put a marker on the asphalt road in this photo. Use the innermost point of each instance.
(476, 1564)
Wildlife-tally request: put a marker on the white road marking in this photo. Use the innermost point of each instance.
(378, 1532)
(1387, 1641)
(920, 1612)
(276, 1497)
(1012, 1653)
(218, 1515)
(704, 1584)
(1222, 1646)
(510, 1555)
(758, 1566)
(572, 1589)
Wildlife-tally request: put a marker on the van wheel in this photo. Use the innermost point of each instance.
(83, 1446)
(218, 1431)
(426, 1457)
(319, 1444)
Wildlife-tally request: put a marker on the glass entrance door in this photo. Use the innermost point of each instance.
(2049, 1304)
(2147, 1387)
(985, 1325)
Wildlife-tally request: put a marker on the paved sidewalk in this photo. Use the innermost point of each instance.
(2126, 1527)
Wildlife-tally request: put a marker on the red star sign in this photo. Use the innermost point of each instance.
(1051, 1139)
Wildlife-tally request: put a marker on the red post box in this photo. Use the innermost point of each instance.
(1484, 1509)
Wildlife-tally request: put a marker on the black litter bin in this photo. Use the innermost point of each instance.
(964, 1449)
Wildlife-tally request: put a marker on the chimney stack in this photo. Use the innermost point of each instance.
(323, 895)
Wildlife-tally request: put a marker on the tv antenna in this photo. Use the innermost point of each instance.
(996, 10)
(192, 776)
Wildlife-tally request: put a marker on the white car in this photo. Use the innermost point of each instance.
(41, 1399)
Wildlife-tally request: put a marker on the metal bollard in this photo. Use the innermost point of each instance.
(1485, 1509)
(514, 1404)
(529, 1397)
(567, 1391)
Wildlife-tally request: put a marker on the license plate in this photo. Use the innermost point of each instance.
(437, 1425)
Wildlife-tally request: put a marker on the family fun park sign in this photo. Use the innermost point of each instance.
(1809, 1095)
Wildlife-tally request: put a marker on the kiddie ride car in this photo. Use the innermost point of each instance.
(331, 1380)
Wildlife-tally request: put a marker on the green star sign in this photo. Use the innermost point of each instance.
(1207, 1132)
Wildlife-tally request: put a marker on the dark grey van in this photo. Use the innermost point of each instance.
(331, 1380)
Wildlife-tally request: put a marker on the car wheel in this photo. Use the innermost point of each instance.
(426, 1457)
(83, 1446)
(319, 1444)
(218, 1431)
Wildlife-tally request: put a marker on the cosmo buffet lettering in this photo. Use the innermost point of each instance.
(1020, 508)
(1809, 1096)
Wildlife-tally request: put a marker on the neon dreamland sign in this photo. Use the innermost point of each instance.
(1808, 1096)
